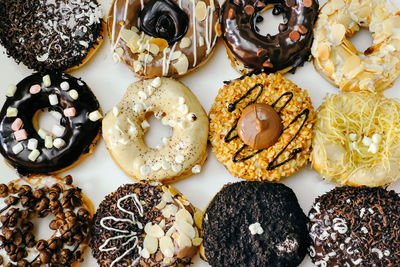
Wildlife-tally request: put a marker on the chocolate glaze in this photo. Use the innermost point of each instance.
(237, 157)
(164, 19)
(79, 134)
(289, 48)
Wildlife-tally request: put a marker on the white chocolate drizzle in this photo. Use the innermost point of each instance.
(125, 233)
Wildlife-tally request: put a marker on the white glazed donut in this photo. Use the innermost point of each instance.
(338, 60)
(125, 126)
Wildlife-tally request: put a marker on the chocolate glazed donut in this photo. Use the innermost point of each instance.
(281, 52)
(31, 150)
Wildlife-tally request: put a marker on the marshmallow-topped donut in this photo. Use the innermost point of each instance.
(337, 60)
(31, 149)
(125, 126)
(162, 37)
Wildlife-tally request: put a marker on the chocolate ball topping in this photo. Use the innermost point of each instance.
(259, 126)
(164, 19)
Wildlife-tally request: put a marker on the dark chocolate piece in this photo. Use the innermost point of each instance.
(164, 19)
(79, 134)
(50, 35)
(230, 237)
(285, 49)
(356, 226)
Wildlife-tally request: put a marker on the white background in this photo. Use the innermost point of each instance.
(98, 175)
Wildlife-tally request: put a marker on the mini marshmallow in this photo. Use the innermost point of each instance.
(46, 81)
(145, 124)
(17, 148)
(12, 112)
(48, 141)
(32, 144)
(53, 99)
(16, 125)
(95, 115)
(73, 94)
(42, 133)
(196, 169)
(58, 143)
(366, 141)
(20, 135)
(58, 130)
(156, 82)
(69, 112)
(34, 155)
(64, 86)
(376, 138)
(35, 89)
(11, 89)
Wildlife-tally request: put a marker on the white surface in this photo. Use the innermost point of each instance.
(98, 175)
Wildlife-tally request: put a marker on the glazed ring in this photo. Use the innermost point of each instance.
(355, 139)
(284, 114)
(51, 35)
(163, 37)
(176, 106)
(355, 226)
(248, 50)
(31, 149)
(145, 225)
(255, 224)
(25, 199)
(337, 60)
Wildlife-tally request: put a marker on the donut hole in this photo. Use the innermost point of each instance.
(41, 228)
(155, 134)
(46, 120)
(362, 40)
(268, 21)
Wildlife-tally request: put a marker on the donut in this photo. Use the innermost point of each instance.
(33, 150)
(248, 50)
(355, 226)
(51, 35)
(338, 61)
(28, 198)
(273, 232)
(163, 37)
(261, 127)
(176, 106)
(145, 224)
(355, 139)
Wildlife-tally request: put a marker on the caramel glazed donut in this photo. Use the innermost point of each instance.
(25, 199)
(163, 37)
(337, 60)
(176, 106)
(261, 127)
(51, 34)
(248, 50)
(31, 150)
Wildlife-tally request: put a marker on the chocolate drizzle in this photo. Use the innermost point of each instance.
(164, 19)
(228, 138)
(79, 134)
(289, 48)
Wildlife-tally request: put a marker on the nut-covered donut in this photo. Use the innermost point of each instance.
(337, 60)
(355, 226)
(176, 106)
(31, 149)
(255, 224)
(261, 127)
(355, 140)
(28, 198)
(51, 35)
(163, 37)
(248, 50)
(145, 225)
